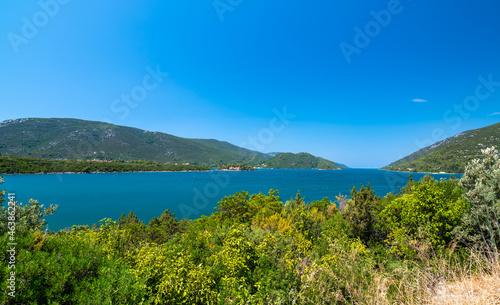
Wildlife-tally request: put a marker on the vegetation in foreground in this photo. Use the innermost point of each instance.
(25, 165)
(433, 239)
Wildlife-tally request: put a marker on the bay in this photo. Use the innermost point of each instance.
(85, 199)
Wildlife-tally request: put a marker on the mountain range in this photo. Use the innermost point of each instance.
(58, 138)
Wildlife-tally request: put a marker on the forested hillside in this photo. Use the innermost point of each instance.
(79, 139)
(300, 160)
(452, 154)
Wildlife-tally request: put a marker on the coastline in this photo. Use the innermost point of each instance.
(97, 172)
(179, 171)
(441, 173)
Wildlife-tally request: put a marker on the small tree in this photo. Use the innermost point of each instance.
(161, 229)
(480, 226)
(28, 216)
(361, 212)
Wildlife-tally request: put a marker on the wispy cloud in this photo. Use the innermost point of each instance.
(419, 100)
(494, 113)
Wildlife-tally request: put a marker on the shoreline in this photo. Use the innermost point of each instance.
(389, 170)
(180, 171)
(63, 173)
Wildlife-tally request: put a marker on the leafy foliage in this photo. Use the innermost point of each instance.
(242, 208)
(361, 212)
(422, 220)
(480, 227)
(68, 268)
(28, 217)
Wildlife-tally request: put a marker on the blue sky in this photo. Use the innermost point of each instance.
(409, 79)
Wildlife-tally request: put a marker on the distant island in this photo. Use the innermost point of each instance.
(450, 155)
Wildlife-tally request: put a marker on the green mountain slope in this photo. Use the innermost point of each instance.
(452, 154)
(299, 161)
(79, 139)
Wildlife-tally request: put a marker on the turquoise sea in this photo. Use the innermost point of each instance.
(85, 199)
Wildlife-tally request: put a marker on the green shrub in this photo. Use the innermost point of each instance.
(421, 222)
(480, 226)
(361, 212)
(69, 269)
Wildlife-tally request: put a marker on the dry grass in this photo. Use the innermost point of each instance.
(476, 281)
(480, 289)
(439, 280)
(467, 287)
(442, 281)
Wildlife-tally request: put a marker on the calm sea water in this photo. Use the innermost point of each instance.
(85, 199)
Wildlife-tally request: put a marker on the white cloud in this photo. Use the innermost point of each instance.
(494, 113)
(419, 100)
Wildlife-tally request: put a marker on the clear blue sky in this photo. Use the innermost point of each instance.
(232, 63)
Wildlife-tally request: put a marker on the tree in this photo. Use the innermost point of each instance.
(361, 212)
(242, 208)
(480, 226)
(161, 229)
(28, 216)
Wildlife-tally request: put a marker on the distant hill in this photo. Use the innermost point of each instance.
(452, 154)
(89, 140)
(80, 139)
(299, 161)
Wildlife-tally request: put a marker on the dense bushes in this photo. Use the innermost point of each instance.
(255, 249)
(421, 220)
